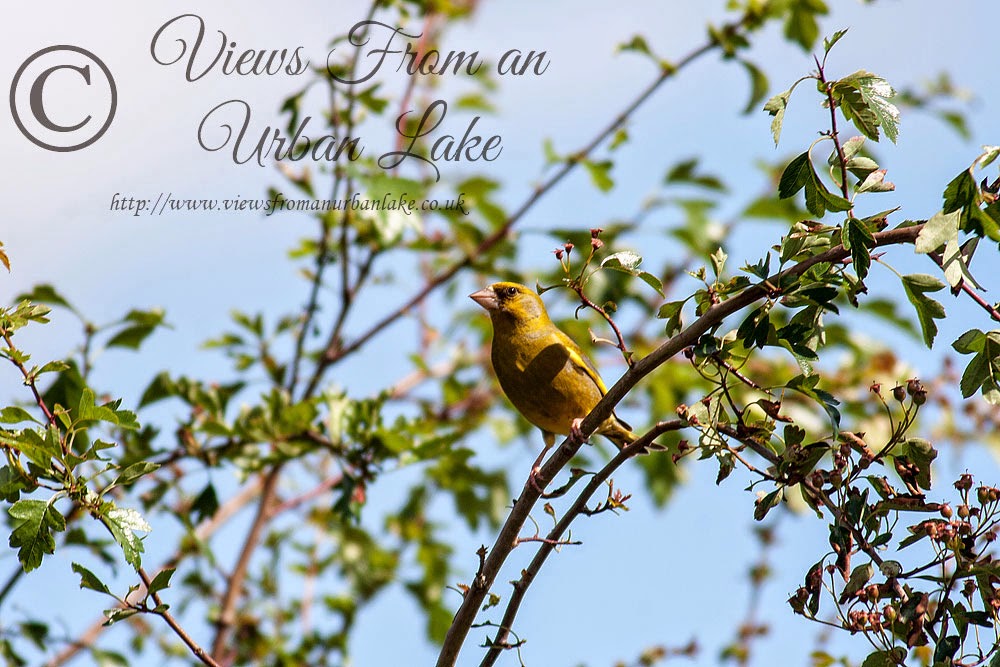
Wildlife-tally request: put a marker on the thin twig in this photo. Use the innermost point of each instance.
(322, 260)
(626, 353)
(202, 532)
(234, 586)
(165, 614)
(336, 350)
(30, 382)
(964, 286)
(554, 537)
(841, 158)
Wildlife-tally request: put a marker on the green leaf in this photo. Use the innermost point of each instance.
(758, 85)
(961, 192)
(118, 614)
(766, 504)
(16, 415)
(160, 388)
(90, 580)
(801, 25)
(970, 342)
(718, 259)
(123, 523)
(161, 580)
(776, 107)
(955, 265)
(807, 386)
(983, 371)
(856, 238)
(103, 658)
(892, 658)
(939, 230)
(652, 281)
(795, 176)
(671, 311)
(53, 367)
(637, 44)
(850, 148)
(12, 483)
(876, 93)
(600, 173)
(141, 325)
(988, 156)
(39, 446)
(852, 104)
(874, 181)
(686, 172)
(88, 410)
(625, 261)
(206, 504)
(828, 42)
(917, 286)
(134, 472)
(921, 453)
(860, 576)
(800, 174)
(45, 294)
(33, 524)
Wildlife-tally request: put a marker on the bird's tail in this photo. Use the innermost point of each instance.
(618, 432)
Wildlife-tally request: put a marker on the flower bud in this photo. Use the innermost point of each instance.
(964, 483)
(898, 393)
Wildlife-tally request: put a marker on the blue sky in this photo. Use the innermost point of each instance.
(589, 606)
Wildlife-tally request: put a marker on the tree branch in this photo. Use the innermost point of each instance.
(713, 317)
(164, 613)
(234, 587)
(552, 540)
(202, 532)
(335, 350)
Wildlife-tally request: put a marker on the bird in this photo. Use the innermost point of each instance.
(542, 371)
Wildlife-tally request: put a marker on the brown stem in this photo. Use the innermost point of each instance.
(554, 537)
(839, 518)
(841, 159)
(312, 305)
(234, 586)
(30, 382)
(165, 614)
(964, 286)
(618, 334)
(713, 317)
(202, 532)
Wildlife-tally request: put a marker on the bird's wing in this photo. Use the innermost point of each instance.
(581, 361)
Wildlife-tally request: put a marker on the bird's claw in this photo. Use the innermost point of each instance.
(574, 430)
(533, 479)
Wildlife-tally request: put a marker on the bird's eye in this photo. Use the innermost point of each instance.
(511, 291)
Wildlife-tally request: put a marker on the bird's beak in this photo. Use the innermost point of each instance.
(486, 298)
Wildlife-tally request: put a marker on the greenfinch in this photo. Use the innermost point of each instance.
(541, 370)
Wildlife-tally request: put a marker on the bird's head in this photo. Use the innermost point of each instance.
(510, 300)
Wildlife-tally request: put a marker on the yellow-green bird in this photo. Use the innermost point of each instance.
(541, 370)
